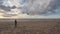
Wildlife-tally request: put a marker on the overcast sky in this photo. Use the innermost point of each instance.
(38, 7)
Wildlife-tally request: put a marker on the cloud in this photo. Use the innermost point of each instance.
(6, 8)
(32, 7)
(54, 5)
(37, 8)
(23, 1)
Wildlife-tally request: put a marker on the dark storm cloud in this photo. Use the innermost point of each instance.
(54, 5)
(1, 1)
(6, 8)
